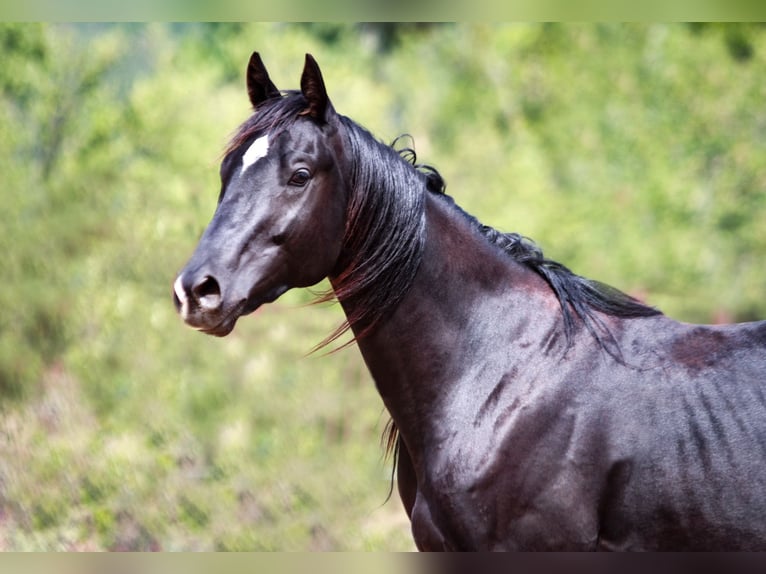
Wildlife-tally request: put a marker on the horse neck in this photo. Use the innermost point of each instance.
(469, 313)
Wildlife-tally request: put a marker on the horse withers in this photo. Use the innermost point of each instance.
(532, 408)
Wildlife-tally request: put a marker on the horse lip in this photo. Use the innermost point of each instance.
(226, 324)
(244, 307)
(220, 330)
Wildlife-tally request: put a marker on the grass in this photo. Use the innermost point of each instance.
(187, 463)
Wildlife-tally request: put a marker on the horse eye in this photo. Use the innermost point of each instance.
(300, 177)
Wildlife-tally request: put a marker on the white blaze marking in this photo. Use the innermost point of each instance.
(258, 149)
(181, 294)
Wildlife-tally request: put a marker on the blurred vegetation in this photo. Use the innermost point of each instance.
(634, 154)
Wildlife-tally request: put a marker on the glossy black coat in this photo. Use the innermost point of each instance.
(536, 410)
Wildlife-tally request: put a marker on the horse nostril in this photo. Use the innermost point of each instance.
(207, 293)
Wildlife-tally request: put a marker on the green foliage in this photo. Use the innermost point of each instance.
(634, 154)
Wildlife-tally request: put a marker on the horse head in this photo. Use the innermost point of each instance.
(280, 217)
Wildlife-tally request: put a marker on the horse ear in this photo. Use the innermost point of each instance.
(259, 86)
(312, 87)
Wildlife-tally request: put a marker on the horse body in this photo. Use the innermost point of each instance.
(545, 445)
(535, 409)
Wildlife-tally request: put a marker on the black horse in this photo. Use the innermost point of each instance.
(536, 409)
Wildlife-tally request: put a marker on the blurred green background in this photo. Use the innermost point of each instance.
(634, 154)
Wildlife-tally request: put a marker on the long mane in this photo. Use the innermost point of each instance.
(579, 297)
(387, 231)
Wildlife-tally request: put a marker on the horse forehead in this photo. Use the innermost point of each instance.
(303, 137)
(257, 150)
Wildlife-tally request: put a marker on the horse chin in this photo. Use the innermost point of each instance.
(226, 325)
(221, 330)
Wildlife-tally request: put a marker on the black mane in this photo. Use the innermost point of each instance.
(578, 296)
(385, 229)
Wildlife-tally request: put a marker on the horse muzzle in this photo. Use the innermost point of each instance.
(200, 304)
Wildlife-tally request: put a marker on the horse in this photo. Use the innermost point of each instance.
(532, 408)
